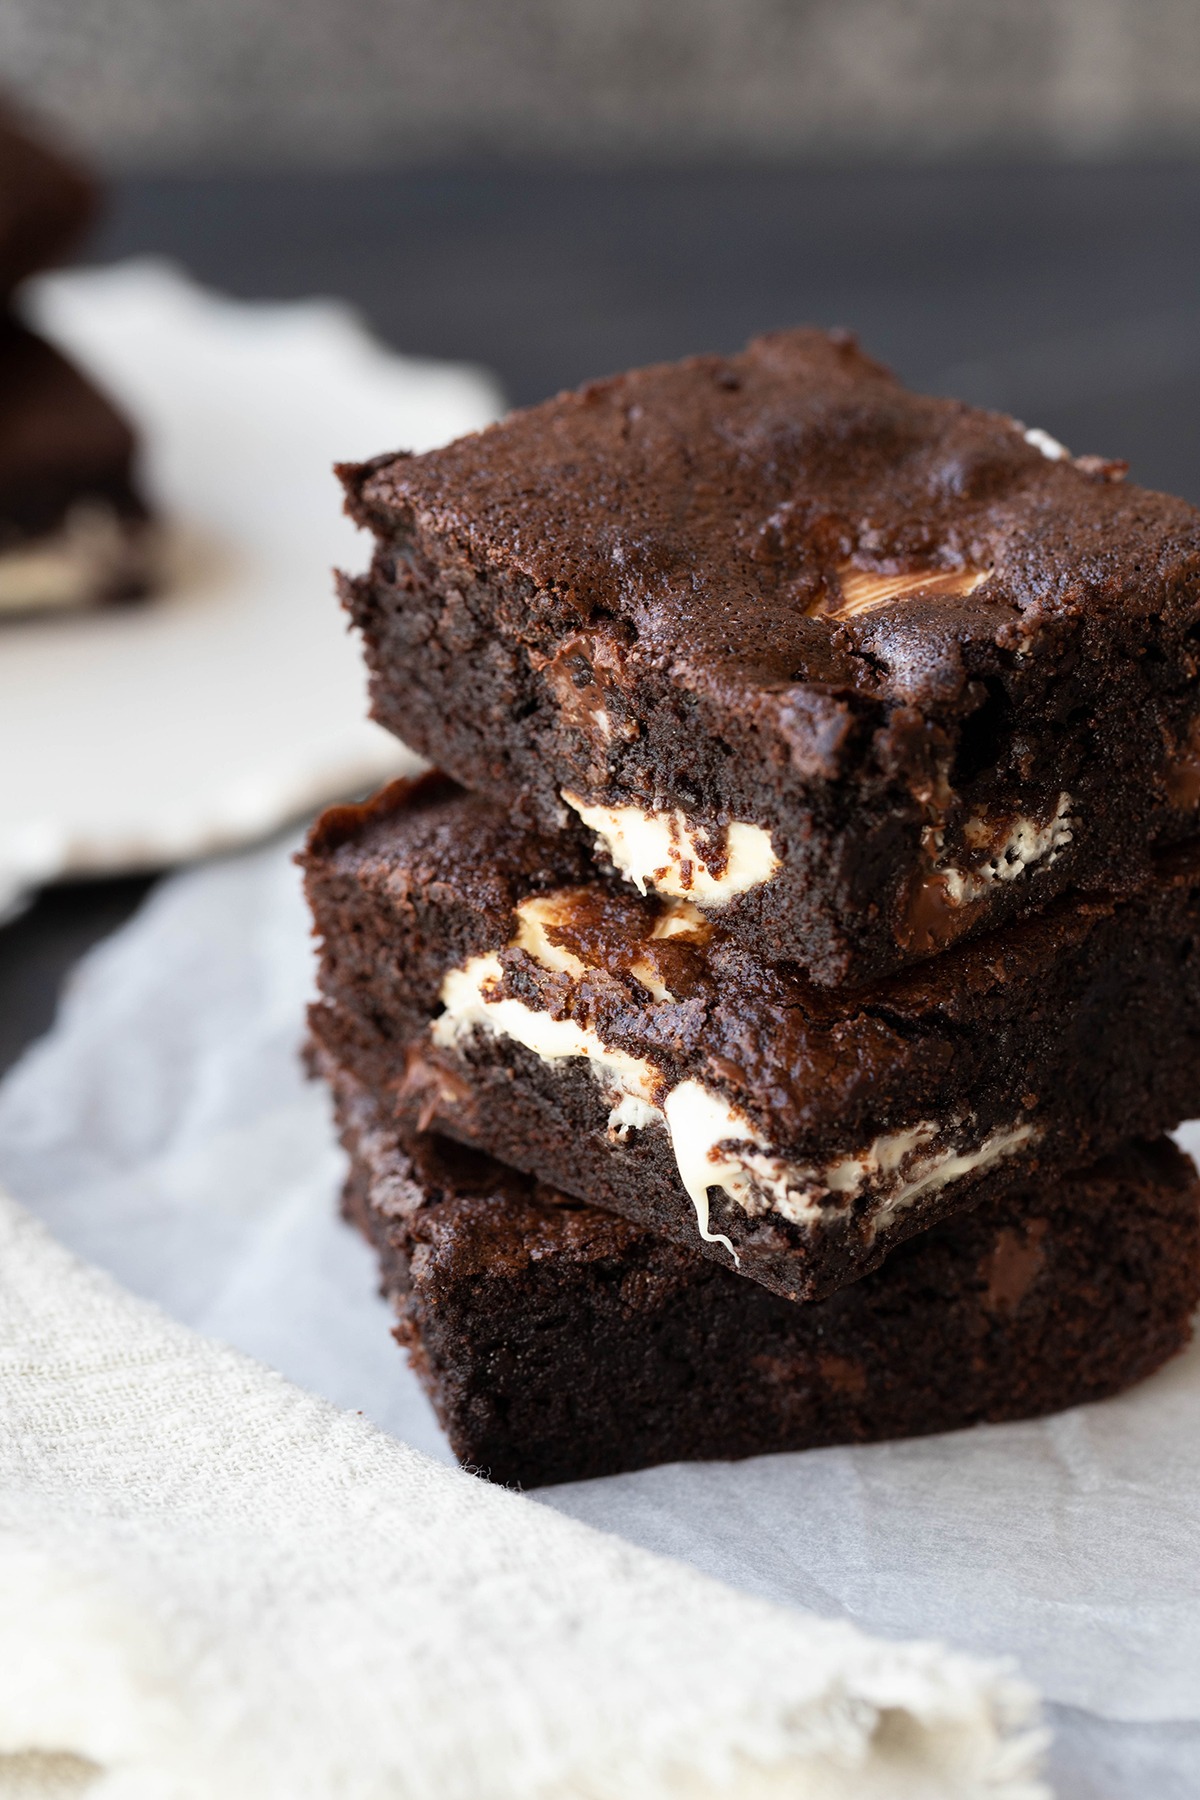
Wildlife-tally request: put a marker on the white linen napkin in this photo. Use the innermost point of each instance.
(214, 1586)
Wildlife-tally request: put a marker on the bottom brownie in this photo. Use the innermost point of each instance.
(559, 1342)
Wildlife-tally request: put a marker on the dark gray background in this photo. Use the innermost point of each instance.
(236, 83)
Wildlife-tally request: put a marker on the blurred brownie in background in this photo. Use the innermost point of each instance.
(47, 201)
(74, 530)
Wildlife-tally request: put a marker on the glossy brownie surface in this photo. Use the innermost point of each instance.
(947, 669)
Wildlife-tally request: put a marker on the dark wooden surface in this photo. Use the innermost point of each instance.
(1069, 296)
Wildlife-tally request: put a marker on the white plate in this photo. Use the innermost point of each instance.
(138, 737)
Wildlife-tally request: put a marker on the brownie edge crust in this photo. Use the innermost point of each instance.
(559, 1343)
(860, 671)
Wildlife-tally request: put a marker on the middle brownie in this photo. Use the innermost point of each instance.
(624, 1051)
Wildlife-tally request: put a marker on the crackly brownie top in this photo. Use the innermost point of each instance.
(782, 508)
(46, 200)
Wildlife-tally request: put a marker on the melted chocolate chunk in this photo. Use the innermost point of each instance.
(1014, 1264)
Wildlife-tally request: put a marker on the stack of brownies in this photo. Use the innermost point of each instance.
(760, 1036)
(74, 530)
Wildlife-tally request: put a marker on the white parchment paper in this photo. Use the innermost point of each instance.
(165, 1131)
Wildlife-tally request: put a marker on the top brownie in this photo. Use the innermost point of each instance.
(46, 202)
(862, 670)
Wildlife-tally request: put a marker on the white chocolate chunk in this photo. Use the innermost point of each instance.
(533, 918)
(467, 1001)
(699, 1122)
(934, 1172)
(865, 590)
(661, 850)
(537, 917)
(680, 919)
(649, 978)
(714, 1143)
(1049, 447)
(1029, 841)
(631, 1114)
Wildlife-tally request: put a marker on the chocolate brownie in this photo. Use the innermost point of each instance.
(558, 1342)
(622, 1049)
(73, 527)
(856, 671)
(47, 201)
